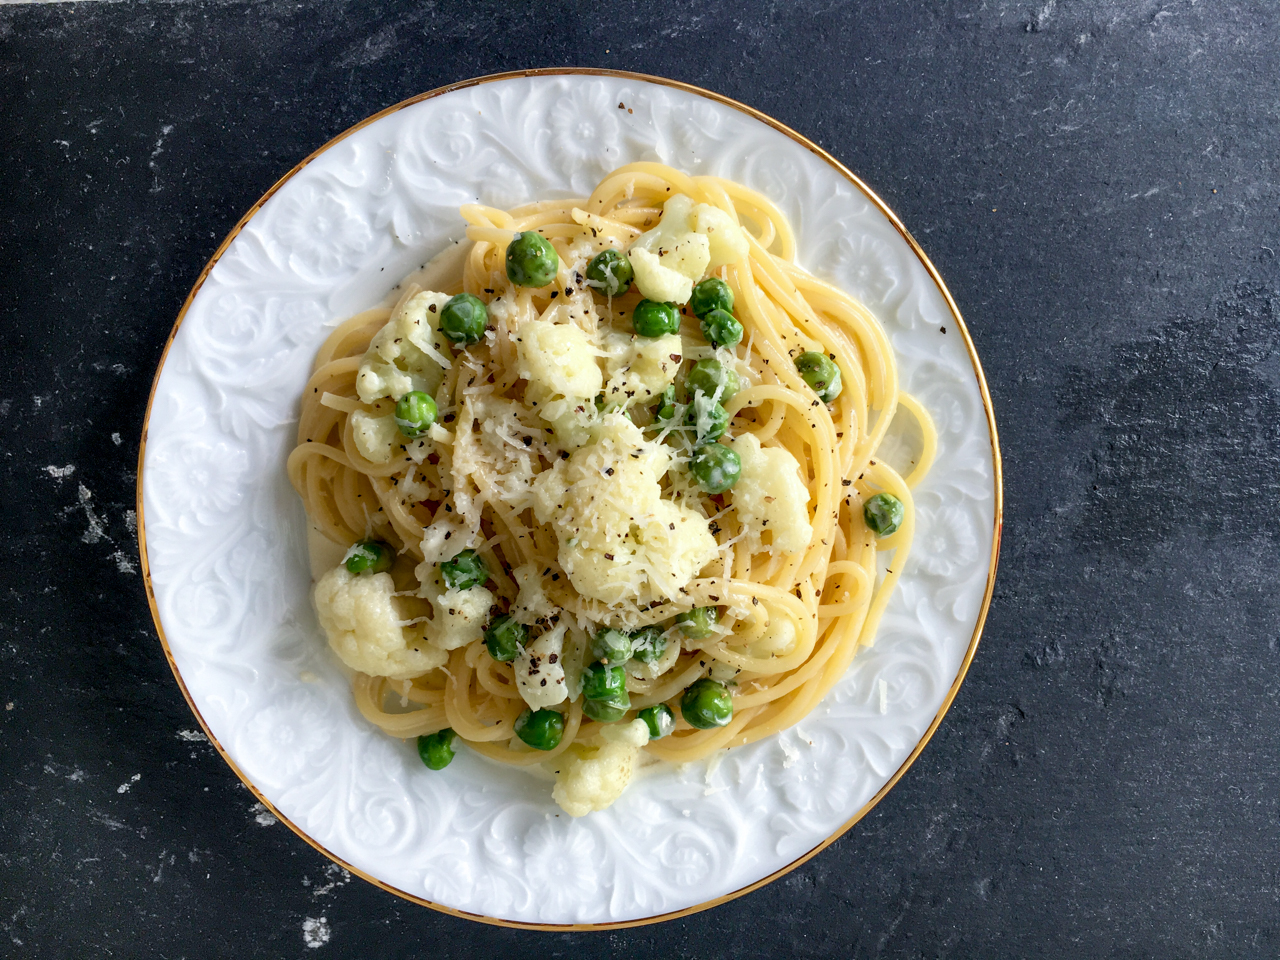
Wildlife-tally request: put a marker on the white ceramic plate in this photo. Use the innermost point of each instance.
(223, 532)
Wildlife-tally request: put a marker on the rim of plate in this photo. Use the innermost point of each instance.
(997, 478)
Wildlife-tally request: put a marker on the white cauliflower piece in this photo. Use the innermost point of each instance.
(444, 540)
(374, 435)
(639, 368)
(572, 421)
(618, 538)
(362, 618)
(532, 603)
(558, 360)
(539, 672)
(459, 615)
(408, 353)
(728, 242)
(593, 777)
(660, 282)
(771, 500)
(688, 241)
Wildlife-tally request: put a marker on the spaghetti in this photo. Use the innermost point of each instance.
(495, 473)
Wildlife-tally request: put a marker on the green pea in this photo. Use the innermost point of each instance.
(464, 318)
(611, 646)
(707, 704)
(883, 513)
(821, 373)
(531, 260)
(609, 709)
(504, 637)
(653, 319)
(711, 294)
(610, 272)
(715, 467)
(415, 413)
(466, 570)
(708, 419)
(601, 681)
(710, 376)
(697, 623)
(659, 719)
(666, 408)
(540, 729)
(721, 328)
(368, 556)
(648, 644)
(436, 749)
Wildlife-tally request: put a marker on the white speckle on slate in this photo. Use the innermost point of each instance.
(192, 736)
(337, 877)
(263, 817)
(131, 520)
(124, 787)
(315, 932)
(109, 822)
(96, 529)
(115, 438)
(60, 473)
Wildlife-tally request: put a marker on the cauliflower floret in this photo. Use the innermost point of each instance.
(377, 436)
(539, 672)
(558, 360)
(532, 604)
(444, 540)
(663, 283)
(362, 618)
(728, 242)
(572, 421)
(408, 353)
(618, 538)
(771, 500)
(639, 368)
(459, 615)
(689, 240)
(374, 435)
(593, 777)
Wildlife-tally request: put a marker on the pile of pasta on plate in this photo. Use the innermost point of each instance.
(602, 488)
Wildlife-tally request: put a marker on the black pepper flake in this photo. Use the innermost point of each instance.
(943, 329)
(608, 471)
(608, 556)
(554, 294)
(555, 577)
(564, 454)
(432, 308)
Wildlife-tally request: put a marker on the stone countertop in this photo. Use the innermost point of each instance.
(1096, 180)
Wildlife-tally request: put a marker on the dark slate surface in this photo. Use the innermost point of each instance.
(1097, 180)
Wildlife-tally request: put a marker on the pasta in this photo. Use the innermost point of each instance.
(613, 499)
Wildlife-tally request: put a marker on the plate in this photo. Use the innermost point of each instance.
(223, 541)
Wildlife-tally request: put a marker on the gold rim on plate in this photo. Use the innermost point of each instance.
(986, 406)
